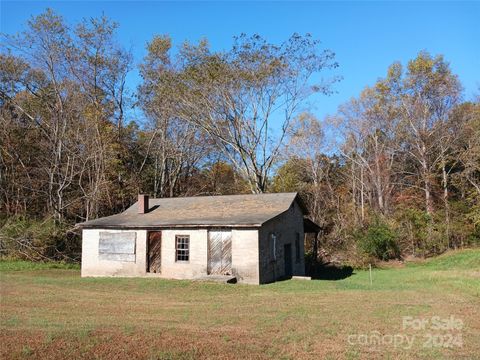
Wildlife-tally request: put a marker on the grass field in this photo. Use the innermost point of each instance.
(48, 311)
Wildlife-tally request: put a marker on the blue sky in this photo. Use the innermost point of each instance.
(366, 36)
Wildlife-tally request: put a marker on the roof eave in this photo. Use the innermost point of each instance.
(302, 204)
(176, 226)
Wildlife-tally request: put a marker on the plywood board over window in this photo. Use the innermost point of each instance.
(117, 246)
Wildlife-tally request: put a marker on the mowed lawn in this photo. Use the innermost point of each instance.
(53, 313)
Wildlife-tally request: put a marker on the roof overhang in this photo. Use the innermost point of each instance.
(310, 227)
(302, 204)
(176, 226)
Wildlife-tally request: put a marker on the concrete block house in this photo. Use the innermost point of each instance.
(251, 238)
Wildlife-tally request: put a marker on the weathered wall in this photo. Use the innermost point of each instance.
(245, 255)
(196, 266)
(93, 265)
(285, 226)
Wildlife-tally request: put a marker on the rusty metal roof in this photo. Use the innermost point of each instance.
(202, 211)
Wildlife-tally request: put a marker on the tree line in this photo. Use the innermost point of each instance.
(395, 172)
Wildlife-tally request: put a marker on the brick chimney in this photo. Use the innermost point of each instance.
(142, 204)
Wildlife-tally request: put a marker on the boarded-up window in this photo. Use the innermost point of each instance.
(182, 246)
(117, 246)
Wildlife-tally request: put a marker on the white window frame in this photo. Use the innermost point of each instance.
(184, 252)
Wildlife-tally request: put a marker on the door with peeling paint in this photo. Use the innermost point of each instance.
(154, 259)
(219, 252)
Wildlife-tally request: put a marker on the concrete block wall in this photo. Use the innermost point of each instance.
(285, 227)
(197, 264)
(244, 255)
(92, 265)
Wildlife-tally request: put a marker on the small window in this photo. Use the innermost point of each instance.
(297, 248)
(182, 246)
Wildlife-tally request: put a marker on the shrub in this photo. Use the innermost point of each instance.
(379, 241)
(31, 239)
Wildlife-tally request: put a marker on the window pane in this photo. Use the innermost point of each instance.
(182, 247)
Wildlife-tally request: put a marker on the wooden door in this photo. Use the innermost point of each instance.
(154, 257)
(219, 252)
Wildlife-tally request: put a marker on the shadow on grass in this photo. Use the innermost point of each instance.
(329, 271)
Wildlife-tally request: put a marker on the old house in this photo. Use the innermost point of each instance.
(255, 238)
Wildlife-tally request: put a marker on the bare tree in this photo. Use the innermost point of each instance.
(70, 90)
(369, 126)
(426, 95)
(236, 96)
(305, 143)
(174, 146)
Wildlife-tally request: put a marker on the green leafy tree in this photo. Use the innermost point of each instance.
(379, 241)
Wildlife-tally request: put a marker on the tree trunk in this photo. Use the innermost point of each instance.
(445, 202)
(361, 195)
(426, 182)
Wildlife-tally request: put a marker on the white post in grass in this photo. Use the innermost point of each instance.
(370, 273)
